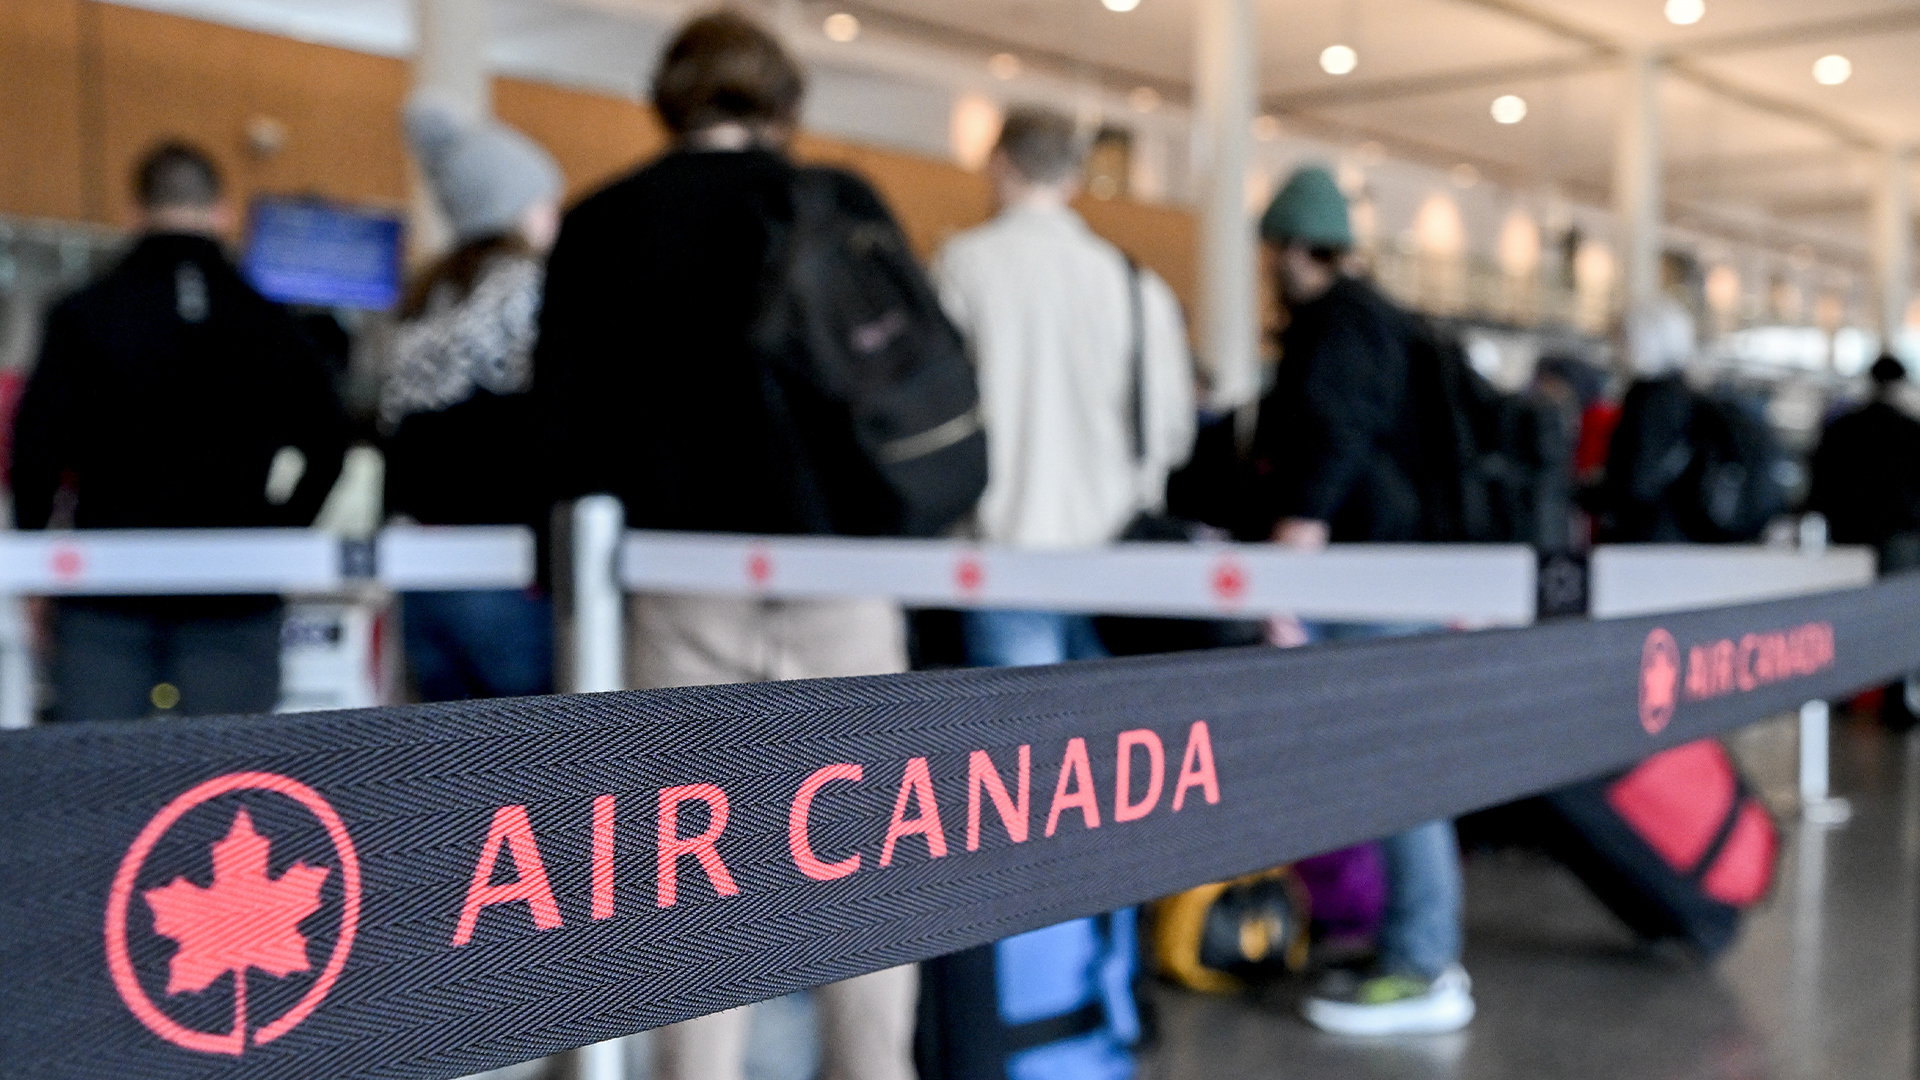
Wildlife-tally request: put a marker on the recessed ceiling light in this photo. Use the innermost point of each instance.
(841, 27)
(1338, 59)
(1509, 109)
(1004, 65)
(1686, 12)
(1832, 70)
(1145, 99)
(1120, 5)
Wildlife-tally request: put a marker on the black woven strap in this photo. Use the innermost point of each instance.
(524, 876)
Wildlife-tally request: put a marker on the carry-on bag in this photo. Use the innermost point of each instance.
(1677, 847)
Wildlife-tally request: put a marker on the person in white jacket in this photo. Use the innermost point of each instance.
(1086, 389)
(1053, 315)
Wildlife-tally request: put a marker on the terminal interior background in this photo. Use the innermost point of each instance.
(1479, 141)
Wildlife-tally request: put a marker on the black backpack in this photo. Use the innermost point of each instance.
(867, 383)
(1731, 488)
(1499, 467)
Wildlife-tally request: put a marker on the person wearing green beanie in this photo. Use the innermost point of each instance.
(1309, 210)
(1336, 453)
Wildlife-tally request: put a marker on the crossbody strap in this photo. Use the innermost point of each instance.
(1137, 360)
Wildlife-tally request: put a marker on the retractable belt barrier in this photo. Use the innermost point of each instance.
(175, 562)
(1477, 583)
(427, 891)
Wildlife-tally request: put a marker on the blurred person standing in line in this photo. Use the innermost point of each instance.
(168, 395)
(1336, 458)
(1684, 466)
(1866, 474)
(1087, 397)
(650, 377)
(460, 423)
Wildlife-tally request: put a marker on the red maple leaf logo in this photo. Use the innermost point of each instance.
(1659, 679)
(245, 919)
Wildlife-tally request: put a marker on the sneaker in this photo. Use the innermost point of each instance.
(1385, 1004)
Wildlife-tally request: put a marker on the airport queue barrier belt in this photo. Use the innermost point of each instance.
(427, 891)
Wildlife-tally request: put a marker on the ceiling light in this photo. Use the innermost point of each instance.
(1509, 109)
(842, 27)
(1145, 99)
(1338, 59)
(1120, 5)
(1686, 12)
(1266, 128)
(1832, 70)
(1004, 65)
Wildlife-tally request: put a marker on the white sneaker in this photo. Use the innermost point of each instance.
(1392, 1004)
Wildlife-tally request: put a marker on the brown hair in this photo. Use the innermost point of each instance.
(723, 67)
(1042, 144)
(176, 174)
(459, 269)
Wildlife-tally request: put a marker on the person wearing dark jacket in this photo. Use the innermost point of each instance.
(456, 408)
(1334, 457)
(163, 396)
(1336, 442)
(1866, 474)
(652, 391)
(1641, 497)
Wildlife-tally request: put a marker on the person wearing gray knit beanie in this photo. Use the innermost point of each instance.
(485, 175)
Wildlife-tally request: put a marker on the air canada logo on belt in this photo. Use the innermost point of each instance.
(1711, 669)
(1659, 680)
(233, 913)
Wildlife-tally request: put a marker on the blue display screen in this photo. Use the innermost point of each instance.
(309, 252)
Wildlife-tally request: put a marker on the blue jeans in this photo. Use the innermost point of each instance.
(1027, 638)
(479, 643)
(1425, 896)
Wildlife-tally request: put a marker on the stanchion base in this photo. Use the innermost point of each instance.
(1828, 812)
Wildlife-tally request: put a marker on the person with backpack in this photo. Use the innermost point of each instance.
(1337, 457)
(455, 405)
(168, 395)
(729, 342)
(1683, 466)
(1866, 473)
(1087, 397)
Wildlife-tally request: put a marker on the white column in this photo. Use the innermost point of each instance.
(1893, 242)
(450, 62)
(1226, 92)
(1637, 194)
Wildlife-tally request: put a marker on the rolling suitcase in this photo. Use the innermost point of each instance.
(1677, 847)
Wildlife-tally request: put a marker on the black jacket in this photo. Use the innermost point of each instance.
(1338, 438)
(645, 380)
(1652, 449)
(1866, 475)
(162, 394)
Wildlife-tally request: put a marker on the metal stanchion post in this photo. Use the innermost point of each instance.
(589, 617)
(16, 664)
(1816, 804)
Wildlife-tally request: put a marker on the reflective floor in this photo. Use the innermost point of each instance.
(1820, 985)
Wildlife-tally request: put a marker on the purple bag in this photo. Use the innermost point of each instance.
(1349, 890)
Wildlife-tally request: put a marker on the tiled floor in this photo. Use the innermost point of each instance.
(1820, 985)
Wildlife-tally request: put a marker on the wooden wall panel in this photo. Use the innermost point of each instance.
(596, 138)
(163, 76)
(149, 76)
(40, 108)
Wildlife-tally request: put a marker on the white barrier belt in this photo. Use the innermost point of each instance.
(1488, 584)
(184, 562)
